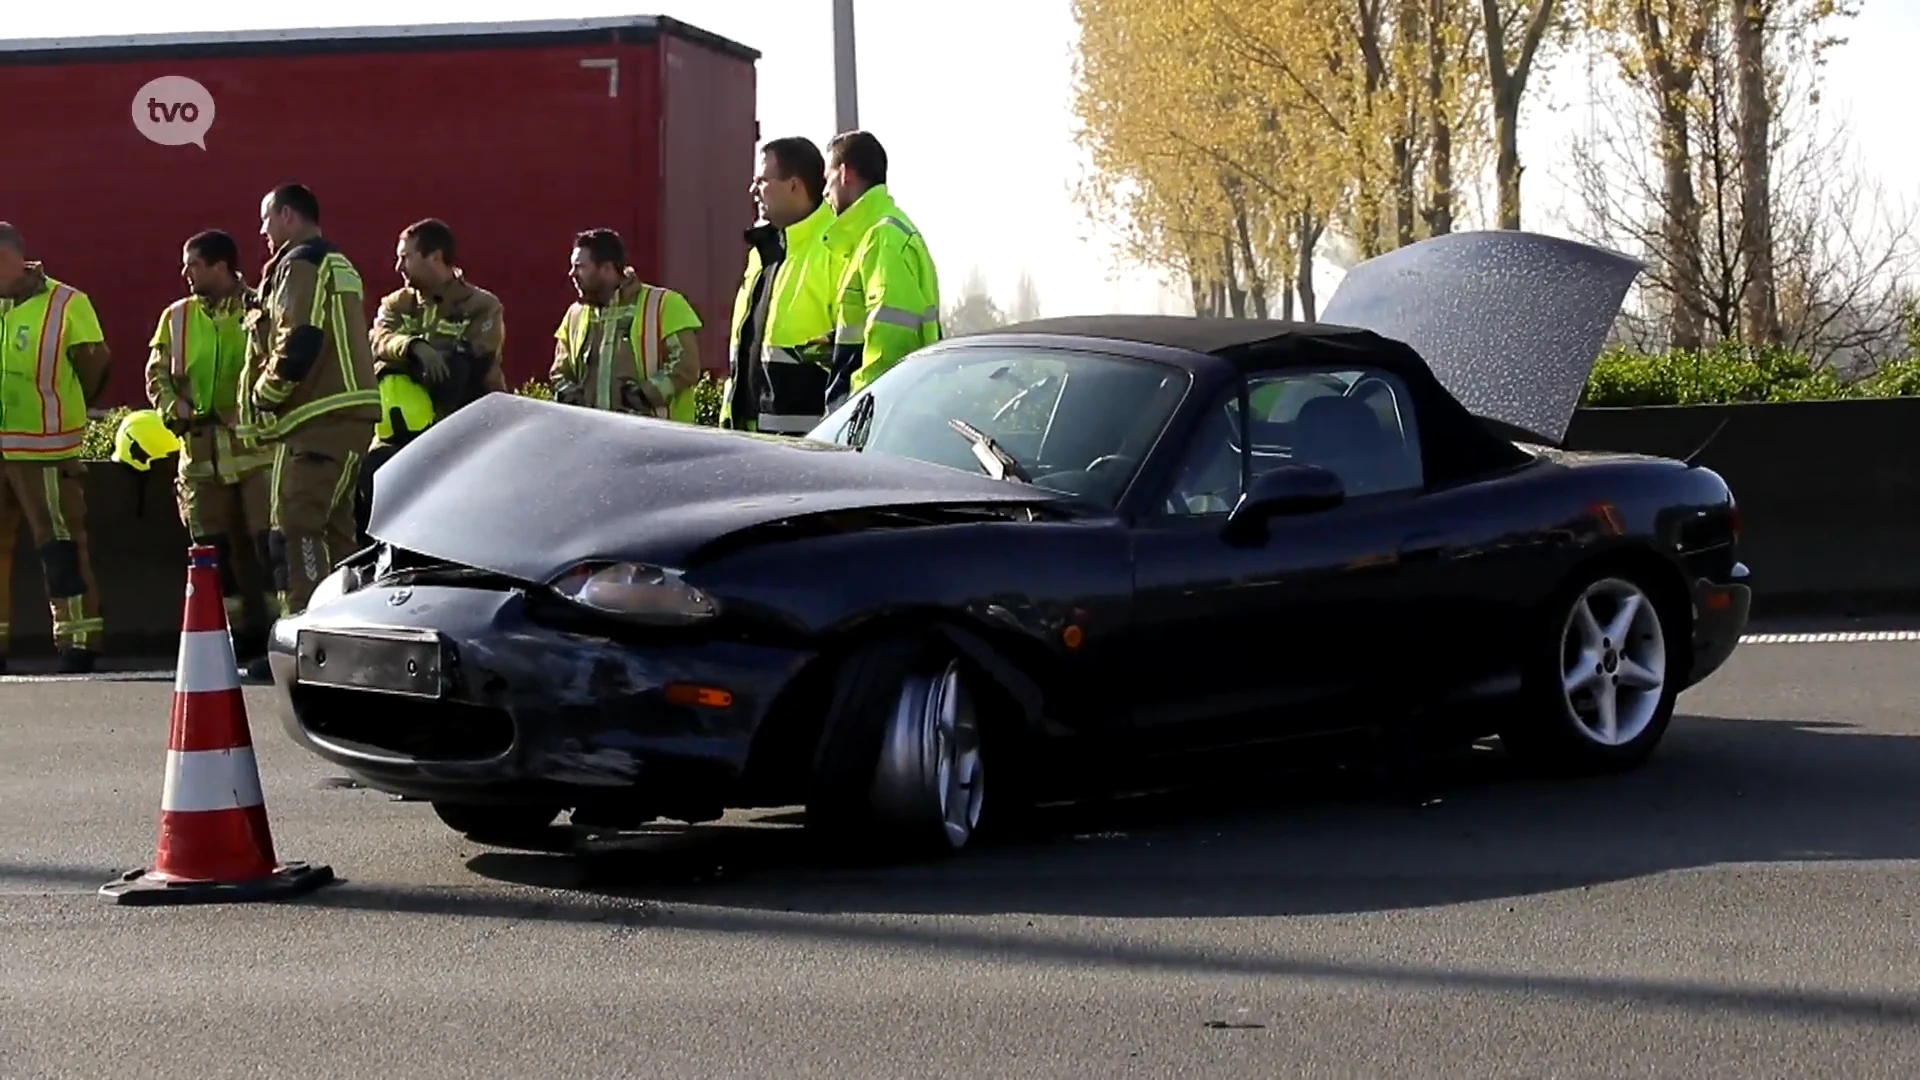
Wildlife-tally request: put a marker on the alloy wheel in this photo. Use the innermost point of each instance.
(930, 769)
(1613, 662)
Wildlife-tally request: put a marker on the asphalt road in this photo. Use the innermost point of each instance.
(1743, 907)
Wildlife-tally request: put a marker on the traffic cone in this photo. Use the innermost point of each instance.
(214, 843)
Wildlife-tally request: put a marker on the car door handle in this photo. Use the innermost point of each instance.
(1423, 547)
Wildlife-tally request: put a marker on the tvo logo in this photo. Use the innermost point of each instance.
(173, 110)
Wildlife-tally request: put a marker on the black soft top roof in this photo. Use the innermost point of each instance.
(1454, 443)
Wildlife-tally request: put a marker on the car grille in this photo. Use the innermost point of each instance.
(388, 724)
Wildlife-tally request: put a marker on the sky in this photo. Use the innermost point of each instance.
(973, 101)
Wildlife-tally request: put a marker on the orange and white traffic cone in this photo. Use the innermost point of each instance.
(214, 843)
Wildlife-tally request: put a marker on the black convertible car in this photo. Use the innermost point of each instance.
(1035, 564)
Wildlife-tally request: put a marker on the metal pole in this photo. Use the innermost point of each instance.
(846, 92)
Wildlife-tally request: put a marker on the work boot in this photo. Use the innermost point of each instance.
(76, 661)
(3, 664)
(256, 670)
(249, 645)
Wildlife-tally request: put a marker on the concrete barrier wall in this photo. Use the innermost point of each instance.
(1830, 492)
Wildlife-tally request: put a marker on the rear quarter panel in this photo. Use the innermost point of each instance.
(1517, 537)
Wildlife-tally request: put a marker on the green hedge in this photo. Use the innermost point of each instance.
(1733, 373)
(99, 442)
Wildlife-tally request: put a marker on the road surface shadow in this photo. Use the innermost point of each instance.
(1718, 791)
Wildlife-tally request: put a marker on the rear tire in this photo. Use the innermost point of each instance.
(901, 766)
(486, 821)
(1600, 677)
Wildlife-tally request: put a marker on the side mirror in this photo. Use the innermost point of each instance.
(1281, 492)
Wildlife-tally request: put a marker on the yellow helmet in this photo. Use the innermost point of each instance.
(142, 438)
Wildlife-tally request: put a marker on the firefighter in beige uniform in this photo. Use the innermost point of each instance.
(308, 394)
(193, 382)
(625, 346)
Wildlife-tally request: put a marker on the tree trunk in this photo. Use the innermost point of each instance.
(1758, 301)
(1439, 211)
(1508, 84)
(1681, 228)
(1306, 239)
(1256, 287)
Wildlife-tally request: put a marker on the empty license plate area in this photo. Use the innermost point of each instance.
(408, 662)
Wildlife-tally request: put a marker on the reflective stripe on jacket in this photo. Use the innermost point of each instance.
(777, 383)
(201, 349)
(601, 346)
(308, 353)
(43, 403)
(888, 303)
(458, 313)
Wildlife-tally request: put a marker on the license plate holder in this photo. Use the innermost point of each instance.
(406, 662)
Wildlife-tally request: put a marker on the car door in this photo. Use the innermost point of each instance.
(1301, 634)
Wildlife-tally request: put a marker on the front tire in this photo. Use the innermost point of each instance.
(1601, 678)
(901, 767)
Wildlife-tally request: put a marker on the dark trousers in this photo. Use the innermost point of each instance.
(363, 489)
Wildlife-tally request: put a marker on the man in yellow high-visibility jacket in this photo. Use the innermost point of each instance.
(625, 345)
(889, 295)
(782, 335)
(193, 380)
(54, 365)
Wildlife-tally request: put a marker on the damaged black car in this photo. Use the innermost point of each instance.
(1038, 563)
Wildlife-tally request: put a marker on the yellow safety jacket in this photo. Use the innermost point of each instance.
(198, 352)
(43, 409)
(889, 296)
(779, 379)
(599, 346)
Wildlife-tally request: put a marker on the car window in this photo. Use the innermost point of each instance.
(1073, 420)
(1359, 423)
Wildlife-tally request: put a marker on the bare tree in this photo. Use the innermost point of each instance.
(1026, 300)
(1836, 249)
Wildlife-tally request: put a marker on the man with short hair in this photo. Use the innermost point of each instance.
(193, 373)
(308, 393)
(888, 302)
(436, 347)
(625, 345)
(782, 340)
(54, 366)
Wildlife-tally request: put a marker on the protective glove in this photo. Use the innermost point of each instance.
(631, 397)
(568, 392)
(427, 362)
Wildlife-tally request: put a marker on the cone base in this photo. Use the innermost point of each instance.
(143, 887)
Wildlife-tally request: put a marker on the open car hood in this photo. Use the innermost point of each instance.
(528, 488)
(1509, 322)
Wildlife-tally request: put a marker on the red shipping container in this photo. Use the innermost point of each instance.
(519, 135)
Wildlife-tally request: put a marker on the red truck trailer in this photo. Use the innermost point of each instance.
(518, 134)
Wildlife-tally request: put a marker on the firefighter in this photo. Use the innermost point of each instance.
(54, 366)
(888, 302)
(308, 394)
(436, 347)
(193, 383)
(625, 345)
(782, 337)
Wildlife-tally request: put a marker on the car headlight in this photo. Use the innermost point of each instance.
(636, 592)
(334, 586)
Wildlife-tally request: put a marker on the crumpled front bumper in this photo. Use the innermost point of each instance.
(442, 692)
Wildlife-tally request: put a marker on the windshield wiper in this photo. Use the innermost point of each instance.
(860, 424)
(998, 463)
